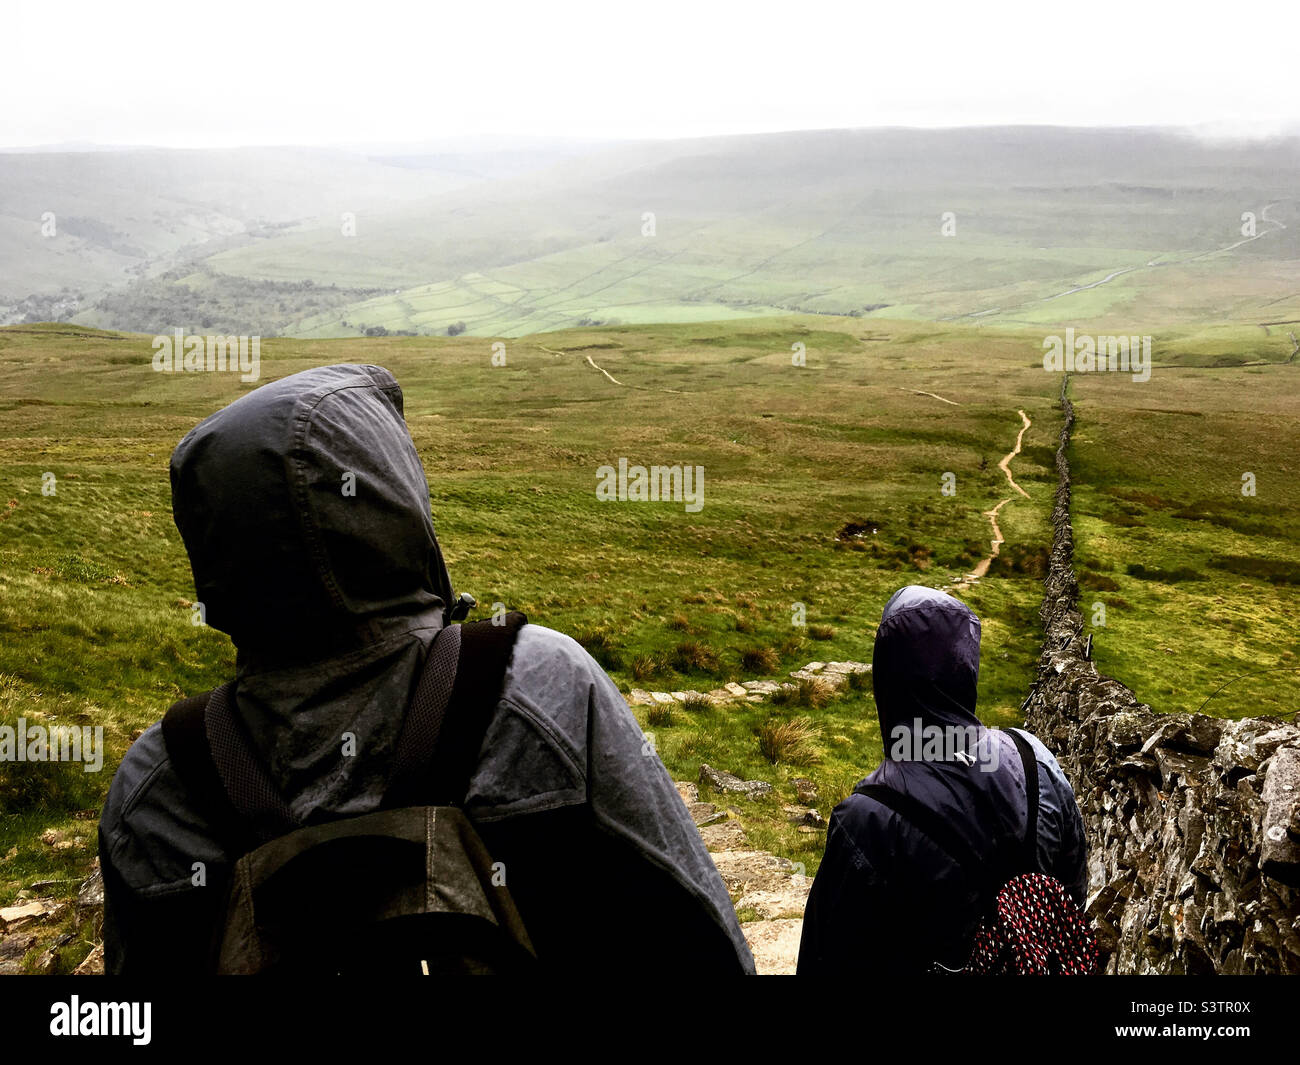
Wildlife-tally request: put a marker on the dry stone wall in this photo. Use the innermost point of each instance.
(1193, 822)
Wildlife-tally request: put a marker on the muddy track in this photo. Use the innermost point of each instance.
(592, 363)
(995, 544)
(932, 395)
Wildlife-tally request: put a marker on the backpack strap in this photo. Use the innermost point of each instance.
(463, 669)
(1029, 760)
(948, 839)
(185, 735)
(940, 832)
(438, 748)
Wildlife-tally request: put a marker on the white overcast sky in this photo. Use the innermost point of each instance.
(231, 73)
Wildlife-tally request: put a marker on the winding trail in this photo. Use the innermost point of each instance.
(995, 544)
(1005, 464)
(932, 395)
(604, 371)
(592, 363)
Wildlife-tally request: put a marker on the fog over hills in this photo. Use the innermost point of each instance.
(1028, 224)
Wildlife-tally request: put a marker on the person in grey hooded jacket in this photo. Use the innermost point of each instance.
(305, 512)
(886, 894)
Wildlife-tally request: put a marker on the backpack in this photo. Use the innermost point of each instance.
(1031, 925)
(409, 888)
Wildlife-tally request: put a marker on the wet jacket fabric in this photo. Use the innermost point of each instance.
(886, 897)
(305, 511)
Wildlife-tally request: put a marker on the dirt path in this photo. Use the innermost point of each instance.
(605, 372)
(1005, 464)
(995, 544)
(592, 363)
(932, 395)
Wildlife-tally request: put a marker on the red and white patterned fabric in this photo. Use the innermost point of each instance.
(1036, 930)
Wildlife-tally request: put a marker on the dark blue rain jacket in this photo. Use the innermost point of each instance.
(887, 897)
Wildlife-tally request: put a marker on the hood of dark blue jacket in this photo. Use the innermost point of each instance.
(926, 661)
(305, 512)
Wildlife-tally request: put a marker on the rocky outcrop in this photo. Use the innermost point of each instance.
(40, 923)
(1193, 822)
(830, 675)
(768, 892)
(772, 893)
(721, 780)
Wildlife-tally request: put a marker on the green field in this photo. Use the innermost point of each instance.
(1199, 582)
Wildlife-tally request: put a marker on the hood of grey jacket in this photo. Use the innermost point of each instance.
(305, 511)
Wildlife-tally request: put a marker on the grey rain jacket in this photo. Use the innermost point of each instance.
(332, 600)
(886, 897)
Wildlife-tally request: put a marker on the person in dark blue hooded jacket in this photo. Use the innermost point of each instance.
(886, 893)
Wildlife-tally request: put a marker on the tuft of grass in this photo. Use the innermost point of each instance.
(648, 667)
(810, 693)
(791, 645)
(821, 632)
(697, 704)
(759, 660)
(694, 657)
(790, 742)
(660, 715)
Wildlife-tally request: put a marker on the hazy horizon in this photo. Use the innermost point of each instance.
(1210, 132)
(158, 75)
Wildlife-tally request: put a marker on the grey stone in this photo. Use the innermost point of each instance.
(729, 782)
(1279, 849)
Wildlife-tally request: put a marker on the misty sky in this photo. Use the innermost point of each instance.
(236, 73)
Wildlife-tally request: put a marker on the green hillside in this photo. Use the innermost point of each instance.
(1137, 227)
(822, 488)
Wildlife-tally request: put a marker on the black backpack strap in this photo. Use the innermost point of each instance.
(184, 729)
(941, 833)
(247, 781)
(418, 739)
(1029, 844)
(464, 669)
(438, 748)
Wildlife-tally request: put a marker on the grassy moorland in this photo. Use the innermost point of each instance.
(1199, 581)
(822, 487)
